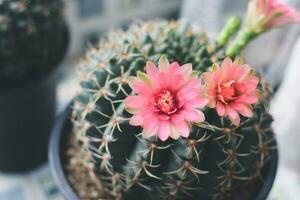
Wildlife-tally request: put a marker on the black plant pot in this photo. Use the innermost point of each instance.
(57, 147)
(27, 114)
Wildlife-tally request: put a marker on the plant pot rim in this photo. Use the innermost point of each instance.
(31, 82)
(60, 178)
(54, 156)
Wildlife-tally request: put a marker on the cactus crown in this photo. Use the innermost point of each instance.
(217, 157)
(31, 38)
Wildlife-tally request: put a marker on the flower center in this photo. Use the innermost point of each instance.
(226, 92)
(166, 102)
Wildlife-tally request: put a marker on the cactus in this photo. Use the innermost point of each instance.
(217, 158)
(32, 39)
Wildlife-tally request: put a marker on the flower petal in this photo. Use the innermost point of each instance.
(187, 70)
(163, 63)
(235, 121)
(164, 130)
(136, 120)
(174, 133)
(162, 82)
(242, 109)
(164, 117)
(144, 77)
(220, 109)
(152, 70)
(176, 81)
(198, 102)
(174, 68)
(134, 102)
(208, 78)
(193, 115)
(231, 112)
(227, 62)
(177, 118)
(191, 84)
(151, 122)
(148, 133)
(141, 88)
(187, 95)
(247, 99)
(183, 129)
(251, 84)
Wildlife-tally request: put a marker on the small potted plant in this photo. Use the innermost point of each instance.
(33, 40)
(165, 113)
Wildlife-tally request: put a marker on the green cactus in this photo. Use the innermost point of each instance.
(32, 39)
(212, 163)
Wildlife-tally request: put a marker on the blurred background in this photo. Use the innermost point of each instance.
(280, 65)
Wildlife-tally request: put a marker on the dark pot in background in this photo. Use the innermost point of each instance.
(26, 118)
(27, 114)
(57, 148)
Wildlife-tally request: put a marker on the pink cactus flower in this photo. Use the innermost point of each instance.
(266, 14)
(167, 101)
(231, 89)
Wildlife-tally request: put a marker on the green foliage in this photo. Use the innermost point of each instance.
(217, 158)
(32, 39)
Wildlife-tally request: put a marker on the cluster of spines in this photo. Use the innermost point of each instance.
(101, 122)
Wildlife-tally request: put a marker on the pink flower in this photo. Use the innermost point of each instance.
(266, 14)
(231, 89)
(167, 100)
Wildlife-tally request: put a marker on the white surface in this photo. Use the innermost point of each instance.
(37, 185)
(286, 112)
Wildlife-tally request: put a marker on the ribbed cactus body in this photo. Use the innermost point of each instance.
(32, 38)
(215, 160)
